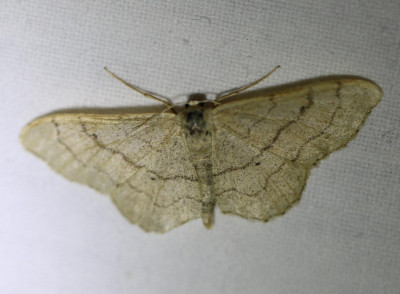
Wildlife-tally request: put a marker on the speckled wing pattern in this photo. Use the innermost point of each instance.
(265, 145)
(251, 157)
(138, 159)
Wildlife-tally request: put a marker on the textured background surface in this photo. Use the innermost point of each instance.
(61, 237)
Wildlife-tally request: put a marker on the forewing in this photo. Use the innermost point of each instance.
(265, 145)
(140, 160)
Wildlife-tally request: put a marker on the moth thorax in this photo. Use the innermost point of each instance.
(194, 122)
(196, 126)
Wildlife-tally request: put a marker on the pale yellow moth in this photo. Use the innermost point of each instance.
(250, 154)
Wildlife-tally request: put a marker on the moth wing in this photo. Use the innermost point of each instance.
(265, 144)
(140, 160)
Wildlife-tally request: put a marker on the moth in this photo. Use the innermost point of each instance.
(249, 154)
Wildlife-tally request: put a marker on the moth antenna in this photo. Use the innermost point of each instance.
(237, 91)
(156, 97)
